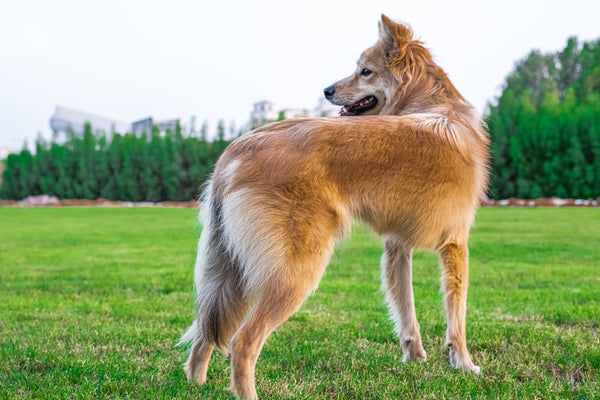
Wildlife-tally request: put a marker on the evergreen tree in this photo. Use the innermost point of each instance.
(204, 131)
(220, 131)
(159, 168)
(114, 164)
(232, 130)
(11, 178)
(153, 173)
(544, 126)
(192, 127)
(44, 168)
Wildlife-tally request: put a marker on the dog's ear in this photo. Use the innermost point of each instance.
(406, 55)
(393, 33)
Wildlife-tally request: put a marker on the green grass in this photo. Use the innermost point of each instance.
(93, 300)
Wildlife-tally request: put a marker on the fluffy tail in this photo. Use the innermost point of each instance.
(220, 300)
(189, 334)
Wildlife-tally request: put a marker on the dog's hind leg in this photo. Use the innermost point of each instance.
(281, 296)
(455, 277)
(197, 363)
(396, 271)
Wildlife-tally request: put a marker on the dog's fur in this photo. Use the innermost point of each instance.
(281, 195)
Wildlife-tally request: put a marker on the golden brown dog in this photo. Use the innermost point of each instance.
(281, 195)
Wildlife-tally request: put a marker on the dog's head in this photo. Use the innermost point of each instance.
(380, 71)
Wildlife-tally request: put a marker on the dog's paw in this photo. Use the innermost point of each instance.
(191, 375)
(471, 368)
(421, 357)
(247, 394)
(413, 351)
(462, 360)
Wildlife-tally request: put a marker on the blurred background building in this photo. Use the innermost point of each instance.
(65, 118)
(264, 112)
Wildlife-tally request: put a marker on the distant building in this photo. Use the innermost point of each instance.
(326, 109)
(142, 126)
(146, 125)
(264, 112)
(292, 113)
(166, 125)
(67, 118)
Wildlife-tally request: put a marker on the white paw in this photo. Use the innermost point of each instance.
(464, 362)
(413, 353)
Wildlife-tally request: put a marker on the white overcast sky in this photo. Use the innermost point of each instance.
(128, 59)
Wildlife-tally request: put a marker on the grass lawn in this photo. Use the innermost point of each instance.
(92, 301)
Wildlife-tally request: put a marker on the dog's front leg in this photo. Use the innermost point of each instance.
(396, 271)
(455, 278)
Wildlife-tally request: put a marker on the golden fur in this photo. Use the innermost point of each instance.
(281, 195)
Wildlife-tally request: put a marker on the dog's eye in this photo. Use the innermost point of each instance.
(366, 72)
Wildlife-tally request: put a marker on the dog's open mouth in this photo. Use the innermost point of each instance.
(359, 107)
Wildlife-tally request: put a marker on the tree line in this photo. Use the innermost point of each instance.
(544, 129)
(152, 167)
(545, 126)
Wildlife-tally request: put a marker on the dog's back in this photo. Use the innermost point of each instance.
(398, 174)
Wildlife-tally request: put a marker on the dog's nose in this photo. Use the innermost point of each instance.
(329, 91)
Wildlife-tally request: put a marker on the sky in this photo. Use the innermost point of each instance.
(212, 59)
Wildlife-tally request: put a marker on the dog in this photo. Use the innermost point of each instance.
(408, 157)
